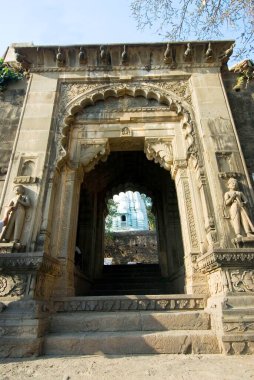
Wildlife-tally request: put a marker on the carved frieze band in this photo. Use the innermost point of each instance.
(219, 258)
(231, 280)
(27, 263)
(130, 304)
(159, 150)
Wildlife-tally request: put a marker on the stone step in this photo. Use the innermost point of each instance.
(129, 321)
(132, 342)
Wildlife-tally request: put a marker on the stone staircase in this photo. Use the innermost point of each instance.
(131, 279)
(175, 324)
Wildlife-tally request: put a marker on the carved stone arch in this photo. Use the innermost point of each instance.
(90, 97)
(123, 187)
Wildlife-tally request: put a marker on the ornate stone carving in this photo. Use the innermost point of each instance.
(191, 220)
(209, 54)
(159, 150)
(234, 257)
(218, 282)
(82, 56)
(69, 91)
(187, 57)
(167, 55)
(135, 303)
(12, 285)
(242, 280)
(60, 58)
(178, 164)
(124, 56)
(125, 132)
(180, 88)
(236, 203)
(37, 261)
(93, 151)
(238, 326)
(25, 179)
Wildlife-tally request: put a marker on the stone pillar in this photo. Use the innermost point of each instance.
(195, 282)
(66, 236)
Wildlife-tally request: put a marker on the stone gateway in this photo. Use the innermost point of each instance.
(90, 122)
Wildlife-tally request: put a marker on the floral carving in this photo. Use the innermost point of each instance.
(12, 285)
(180, 88)
(160, 151)
(242, 281)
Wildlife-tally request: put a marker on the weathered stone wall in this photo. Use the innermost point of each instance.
(242, 108)
(11, 101)
(132, 246)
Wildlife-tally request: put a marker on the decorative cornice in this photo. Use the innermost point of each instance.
(235, 257)
(29, 262)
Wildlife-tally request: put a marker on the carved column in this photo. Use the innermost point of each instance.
(67, 217)
(195, 281)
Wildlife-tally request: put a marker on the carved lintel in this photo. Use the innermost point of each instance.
(92, 151)
(159, 150)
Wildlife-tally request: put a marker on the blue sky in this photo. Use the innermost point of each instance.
(69, 22)
(66, 22)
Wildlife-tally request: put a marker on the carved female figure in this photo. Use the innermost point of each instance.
(237, 201)
(16, 217)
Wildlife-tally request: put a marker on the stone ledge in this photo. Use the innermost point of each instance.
(235, 257)
(130, 303)
(29, 261)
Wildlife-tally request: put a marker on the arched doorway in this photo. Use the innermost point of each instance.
(124, 170)
(106, 128)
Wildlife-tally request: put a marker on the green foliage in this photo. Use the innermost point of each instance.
(112, 211)
(150, 215)
(8, 74)
(245, 71)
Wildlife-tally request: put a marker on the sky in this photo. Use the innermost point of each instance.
(71, 22)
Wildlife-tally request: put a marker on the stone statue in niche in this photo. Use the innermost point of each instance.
(27, 168)
(16, 217)
(236, 202)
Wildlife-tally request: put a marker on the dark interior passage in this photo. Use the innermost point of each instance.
(128, 170)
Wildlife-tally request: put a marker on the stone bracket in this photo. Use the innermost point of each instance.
(160, 150)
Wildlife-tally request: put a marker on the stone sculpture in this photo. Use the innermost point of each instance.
(236, 201)
(16, 216)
